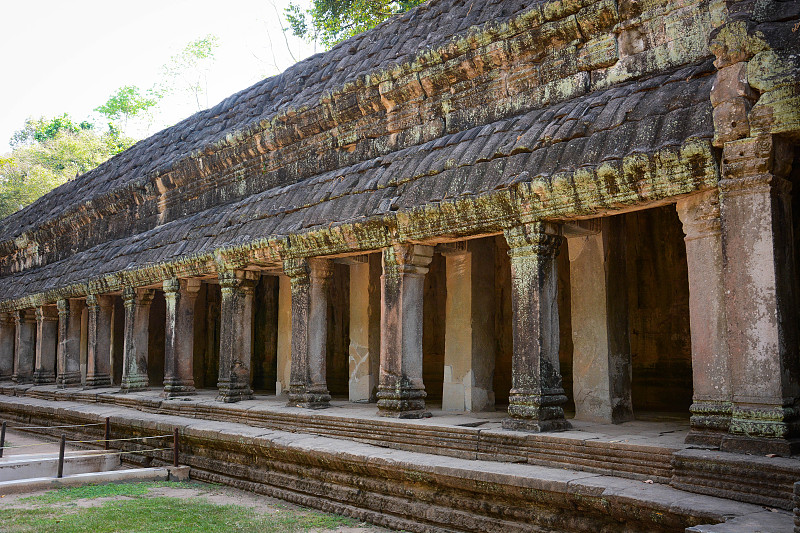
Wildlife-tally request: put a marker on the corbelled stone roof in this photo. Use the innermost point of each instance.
(454, 119)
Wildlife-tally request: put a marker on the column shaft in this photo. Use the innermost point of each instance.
(310, 280)
(7, 335)
(98, 359)
(365, 324)
(236, 335)
(760, 288)
(24, 346)
(180, 296)
(536, 398)
(284, 335)
(601, 360)
(711, 378)
(135, 351)
(46, 345)
(469, 354)
(68, 357)
(401, 392)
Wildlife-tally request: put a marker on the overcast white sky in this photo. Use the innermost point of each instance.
(69, 56)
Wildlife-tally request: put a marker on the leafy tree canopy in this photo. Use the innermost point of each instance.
(187, 71)
(42, 129)
(332, 21)
(127, 103)
(45, 156)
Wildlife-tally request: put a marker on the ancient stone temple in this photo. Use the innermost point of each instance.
(566, 211)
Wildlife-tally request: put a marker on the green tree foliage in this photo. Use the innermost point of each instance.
(42, 129)
(187, 71)
(332, 21)
(128, 103)
(49, 152)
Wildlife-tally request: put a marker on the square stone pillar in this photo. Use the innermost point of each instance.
(469, 347)
(537, 397)
(601, 360)
(236, 335)
(24, 346)
(98, 358)
(760, 302)
(46, 345)
(7, 335)
(365, 326)
(68, 356)
(181, 296)
(284, 335)
(401, 392)
(711, 377)
(137, 338)
(310, 280)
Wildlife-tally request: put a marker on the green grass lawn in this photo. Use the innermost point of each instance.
(130, 508)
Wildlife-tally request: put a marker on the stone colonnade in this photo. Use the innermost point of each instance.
(745, 382)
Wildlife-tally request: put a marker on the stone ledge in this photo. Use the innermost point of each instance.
(409, 490)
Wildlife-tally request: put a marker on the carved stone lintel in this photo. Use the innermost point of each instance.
(537, 397)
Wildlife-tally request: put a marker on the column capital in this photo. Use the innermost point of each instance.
(183, 285)
(63, 307)
(94, 301)
(452, 248)
(238, 279)
(534, 239)
(410, 259)
(47, 313)
(699, 214)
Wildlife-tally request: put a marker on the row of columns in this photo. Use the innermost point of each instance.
(745, 373)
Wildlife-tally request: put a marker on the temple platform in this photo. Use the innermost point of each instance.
(449, 472)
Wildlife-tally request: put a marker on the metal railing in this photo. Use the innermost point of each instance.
(106, 442)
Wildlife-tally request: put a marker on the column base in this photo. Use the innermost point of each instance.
(41, 377)
(134, 383)
(403, 403)
(309, 399)
(536, 412)
(6, 378)
(68, 379)
(710, 422)
(760, 445)
(178, 387)
(21, 379)
(229, 393)
(98, 380)
(535, 426)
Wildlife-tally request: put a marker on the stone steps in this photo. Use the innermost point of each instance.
(413, 491)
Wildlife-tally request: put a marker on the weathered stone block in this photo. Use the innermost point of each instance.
(730, 121)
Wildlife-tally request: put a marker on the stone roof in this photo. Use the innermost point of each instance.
(454, 119)
(398, 40)
(580, 135)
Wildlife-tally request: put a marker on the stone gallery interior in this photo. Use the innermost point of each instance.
(490, 266)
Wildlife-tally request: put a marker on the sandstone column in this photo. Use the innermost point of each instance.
(760, 302)
(711, 382)
(24, 346)
(284, 335)
(401, 392)
(7, 335)
(68, 356)
(236, 335)
(365, 324)
(536, 397)
(46, 345)
(180, 296)
(310, 280)
(601, 360)
(469, 352)
(98, 358)
(137, 337)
